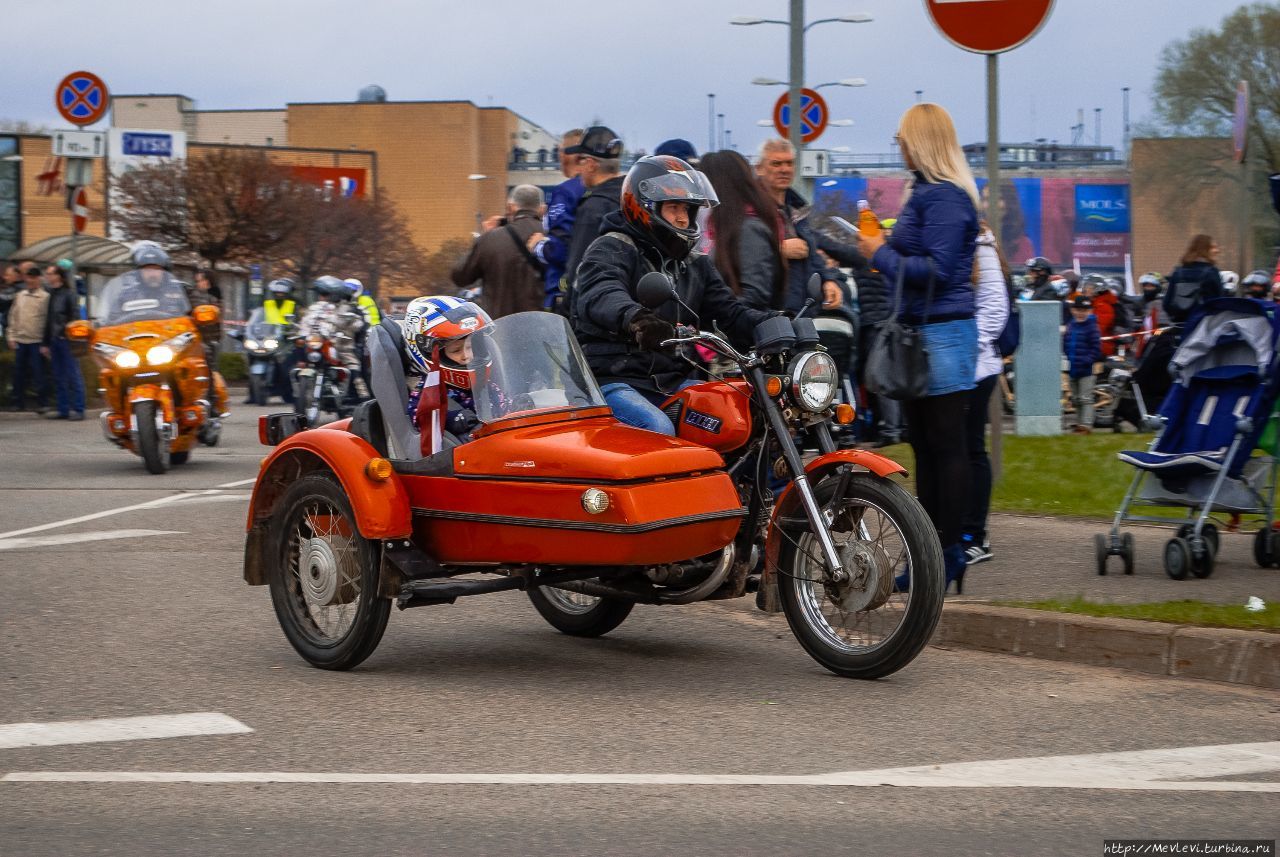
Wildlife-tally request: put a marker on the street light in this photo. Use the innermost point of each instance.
(796, 71)
(848, 81)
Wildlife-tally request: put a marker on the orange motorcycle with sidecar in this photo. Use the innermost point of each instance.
(553, 496)
(162, 395)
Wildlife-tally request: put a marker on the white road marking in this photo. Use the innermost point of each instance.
(1145, 770)
(239, 483)
(73, 538)
(118, 729)
(209, 496)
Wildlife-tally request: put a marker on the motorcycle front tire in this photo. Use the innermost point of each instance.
(915, 539)
(152, 448)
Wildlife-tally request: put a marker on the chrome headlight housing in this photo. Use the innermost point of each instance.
(814, 380)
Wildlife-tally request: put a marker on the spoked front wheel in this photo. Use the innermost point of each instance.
(324, 576)
(875, 621)
(579, 615)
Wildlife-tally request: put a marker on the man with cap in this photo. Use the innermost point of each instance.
(681, 149)
(599, 166)
(551, 245)
(1038, 272)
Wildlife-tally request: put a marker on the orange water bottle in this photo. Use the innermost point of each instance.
(868, 223)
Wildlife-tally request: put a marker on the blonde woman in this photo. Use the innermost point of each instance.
(934, 240)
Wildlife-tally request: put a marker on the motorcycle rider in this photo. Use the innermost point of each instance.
(438, 333)
(1257, 285)
(150, 281)
(367, 306)
(280, 307)
(655, 230)
(1038, 273)
(332, 317)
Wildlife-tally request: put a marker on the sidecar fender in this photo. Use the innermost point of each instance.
(789, 504)
(381, 508)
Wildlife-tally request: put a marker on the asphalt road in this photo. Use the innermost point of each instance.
(152, 618)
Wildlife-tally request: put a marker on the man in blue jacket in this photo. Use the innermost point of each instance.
(551, 245)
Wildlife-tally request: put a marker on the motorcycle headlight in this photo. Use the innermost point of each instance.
(814, 380)
(127, 359)
(159, 355)
(271, 343)
(251, 344)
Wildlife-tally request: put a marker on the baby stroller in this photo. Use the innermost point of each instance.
(1226, 377)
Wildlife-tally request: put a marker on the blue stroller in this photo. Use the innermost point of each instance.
(1226, 379)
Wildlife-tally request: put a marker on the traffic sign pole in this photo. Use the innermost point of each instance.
(795, 121)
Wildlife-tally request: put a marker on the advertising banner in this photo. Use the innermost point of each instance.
(345, 182)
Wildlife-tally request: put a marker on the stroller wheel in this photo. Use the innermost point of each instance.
(1100, 548)
(1209, 532)
(1127, 552)
(1177, 558)
(1263, 548)
(1202, 566)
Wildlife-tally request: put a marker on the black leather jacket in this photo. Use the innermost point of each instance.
(604, 305)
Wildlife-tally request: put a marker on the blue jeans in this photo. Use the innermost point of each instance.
(630, 406)
(67, 380)
(28, 366)
(953, 355)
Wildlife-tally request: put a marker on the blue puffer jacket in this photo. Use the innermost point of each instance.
(938, 222)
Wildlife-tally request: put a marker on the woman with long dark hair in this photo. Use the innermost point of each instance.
(1195, 280)
(930, 253)
(745, 232)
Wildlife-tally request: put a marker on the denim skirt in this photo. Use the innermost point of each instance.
(953, 355)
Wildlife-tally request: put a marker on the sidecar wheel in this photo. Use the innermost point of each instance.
(323, 576)
(153, 448)
(876, 621)
(579, 615)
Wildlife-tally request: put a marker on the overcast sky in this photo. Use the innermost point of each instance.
(644, 68)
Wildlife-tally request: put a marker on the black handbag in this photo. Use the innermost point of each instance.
(897, 363)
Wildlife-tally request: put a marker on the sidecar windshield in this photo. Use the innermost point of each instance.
(530, 363)
(147, 294)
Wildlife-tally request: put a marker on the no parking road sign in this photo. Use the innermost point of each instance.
(813, 115)
(81, 98)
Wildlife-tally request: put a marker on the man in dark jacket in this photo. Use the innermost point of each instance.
(776, 170)
(9, 287)
(67, 380)
(512, 276)
(600, 154)
(656, 230)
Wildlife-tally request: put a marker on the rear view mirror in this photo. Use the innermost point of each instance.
(654, 290)
(814, 288)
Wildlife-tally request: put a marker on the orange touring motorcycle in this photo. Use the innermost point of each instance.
(161, 393)
(555, 497)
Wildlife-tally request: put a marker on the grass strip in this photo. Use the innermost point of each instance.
(1197, 613)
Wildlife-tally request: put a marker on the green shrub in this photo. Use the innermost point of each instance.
(233, 365)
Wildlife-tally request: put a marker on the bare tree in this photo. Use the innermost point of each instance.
(223, 205)
(364, 238)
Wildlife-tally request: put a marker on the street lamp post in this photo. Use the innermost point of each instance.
(711, 121)
(798, 28)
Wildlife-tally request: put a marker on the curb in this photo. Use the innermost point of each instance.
(1155, 648)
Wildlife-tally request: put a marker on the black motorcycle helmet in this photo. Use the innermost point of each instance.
(664, 178)
(329, 288)
(1039, 265)
(1257, 284)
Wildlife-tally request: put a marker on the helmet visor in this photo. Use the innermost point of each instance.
(689, 186)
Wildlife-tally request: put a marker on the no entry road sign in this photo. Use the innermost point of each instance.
(813, 115)
(81, 98)
(988, 26)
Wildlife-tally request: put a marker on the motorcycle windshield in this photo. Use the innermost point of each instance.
(151, 294)
(529, 363)
(257, 328)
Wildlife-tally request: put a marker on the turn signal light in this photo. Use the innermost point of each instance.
(378, 470)
(773, 386)
(844, 414)
(206, 314)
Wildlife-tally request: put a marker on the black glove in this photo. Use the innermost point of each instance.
(649, 331)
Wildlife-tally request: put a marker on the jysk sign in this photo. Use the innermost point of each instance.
(147, 145)
(1102, 208)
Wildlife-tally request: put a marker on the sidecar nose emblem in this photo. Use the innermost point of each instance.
(595, 501)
